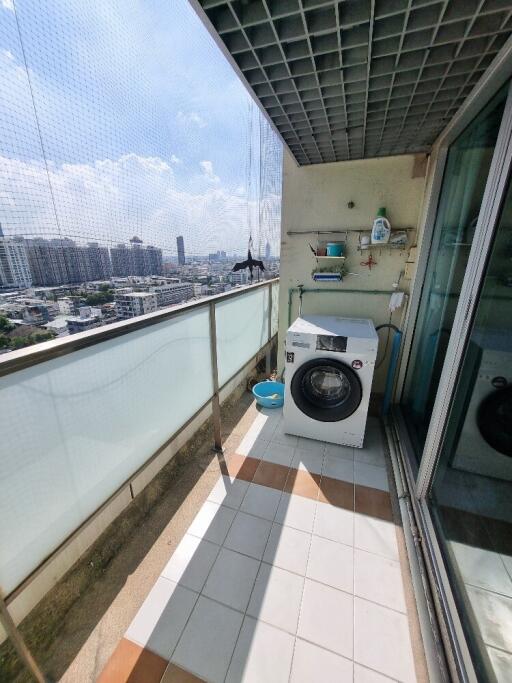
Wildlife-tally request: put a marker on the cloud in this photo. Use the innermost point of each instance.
(208, 174)
(175, 160)
(8, 4)
(190, 118)
(110, 200)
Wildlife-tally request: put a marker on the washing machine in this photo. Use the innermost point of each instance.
(328, 378)
(485, 443)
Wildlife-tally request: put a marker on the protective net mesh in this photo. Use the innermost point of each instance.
(120, 119)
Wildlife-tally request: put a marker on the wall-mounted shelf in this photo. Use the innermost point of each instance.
(331, 258)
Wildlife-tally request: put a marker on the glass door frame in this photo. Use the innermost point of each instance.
(418, 479)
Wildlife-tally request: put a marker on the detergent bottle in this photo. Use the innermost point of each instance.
(381, 228)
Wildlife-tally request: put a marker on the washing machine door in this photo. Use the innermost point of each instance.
(326, 389)
(494, 420)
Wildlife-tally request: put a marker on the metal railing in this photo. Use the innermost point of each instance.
(84, 415)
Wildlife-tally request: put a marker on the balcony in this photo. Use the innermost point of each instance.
(276, 556)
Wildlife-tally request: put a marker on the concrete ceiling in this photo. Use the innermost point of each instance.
(360, 78)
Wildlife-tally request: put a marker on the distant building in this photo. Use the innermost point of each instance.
(132, 304)
(268, 251)
(173, 293)
(136, 259)
(69, 305)
(87, 319)
(99, 264)
(14, 265)
(238, 278)
(181, 250)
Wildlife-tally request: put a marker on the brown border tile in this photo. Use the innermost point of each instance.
(302, 483)
(271, 475)
(175, 674)
(131, 663)
(337, 492)
(373, 502)
(239, 466)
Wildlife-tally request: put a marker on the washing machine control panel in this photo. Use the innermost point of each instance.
(325, 342)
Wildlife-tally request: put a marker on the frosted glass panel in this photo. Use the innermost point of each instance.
(275, 309)
(242, 329)
(75, 428)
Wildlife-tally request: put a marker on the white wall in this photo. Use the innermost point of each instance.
(316, 197)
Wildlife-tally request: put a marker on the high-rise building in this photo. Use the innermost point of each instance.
(268, 251)
(14, 264)
(99, 262)
(120, 257)
(136, 260)
(181, 250)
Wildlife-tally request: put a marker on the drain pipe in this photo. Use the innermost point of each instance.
(432, 642)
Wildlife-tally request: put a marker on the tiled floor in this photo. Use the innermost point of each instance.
(289, 572)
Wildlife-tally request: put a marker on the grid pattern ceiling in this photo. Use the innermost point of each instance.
(360, 78)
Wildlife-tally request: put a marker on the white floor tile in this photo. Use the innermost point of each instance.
(280, 436)
(191, 562)
(229, 493)
(331, 563)
(334, 523)
(493, 613)
(288, 548)
(208, 641)
(327, 618)
(482, 568)
(263, 654)
(212, 522)
(311, 445)
(501, 663)
(160, 620)
(296, 512)
(248, 535)
(309, 461)
(261, 501)
(313, 663)
(364, 675)
(382, 641)
(338, 468)
(279, 453)
(231, 579)
(276, 598)
(375, 536)
(346, 452)
(378, 579)
(370, 475)
(370, 456)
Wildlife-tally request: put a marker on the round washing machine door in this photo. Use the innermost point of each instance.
(494, 420)
(326, 390)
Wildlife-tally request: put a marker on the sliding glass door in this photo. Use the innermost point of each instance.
(471, 493)
(467, 168)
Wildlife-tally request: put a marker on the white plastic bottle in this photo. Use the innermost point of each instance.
(381, 228)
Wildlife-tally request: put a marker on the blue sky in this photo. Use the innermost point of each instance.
(144, 126)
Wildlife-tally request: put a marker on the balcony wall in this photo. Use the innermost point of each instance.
(316, 198)
(88, 421)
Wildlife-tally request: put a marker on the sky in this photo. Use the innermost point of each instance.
(120, 118)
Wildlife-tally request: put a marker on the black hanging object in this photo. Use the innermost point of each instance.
(250, 263)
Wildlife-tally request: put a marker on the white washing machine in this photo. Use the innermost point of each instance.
(328, 378)
(485, 442)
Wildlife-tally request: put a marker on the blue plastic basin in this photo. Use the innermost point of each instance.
(263, 390)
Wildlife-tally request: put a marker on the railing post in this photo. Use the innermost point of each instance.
(17, 640)
(217, 428)
(268, 359)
